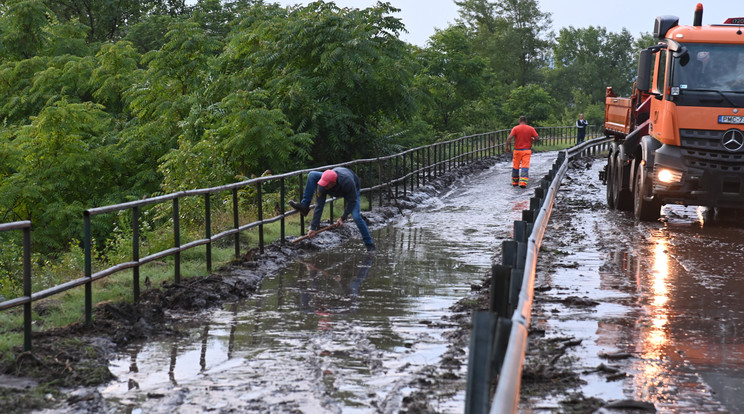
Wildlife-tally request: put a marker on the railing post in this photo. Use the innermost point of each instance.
(427, 176)
(27, 288)
(300, 191)
(260, 217)
(379, 179)
(281, 209)
(135, 254)
(413, 168)
(176, 241)
(405, 175)
(236, 222)
(451, 156)
(395, 176)
(418, 168)
(208, 229)
(88, 270)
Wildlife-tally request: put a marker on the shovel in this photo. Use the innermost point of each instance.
(307, 236)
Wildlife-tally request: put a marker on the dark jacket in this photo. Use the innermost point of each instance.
(348, 186)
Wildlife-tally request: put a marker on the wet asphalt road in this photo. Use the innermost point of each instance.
(660, 302)
(340, 331)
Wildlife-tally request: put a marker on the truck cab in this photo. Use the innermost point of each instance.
(680, 138)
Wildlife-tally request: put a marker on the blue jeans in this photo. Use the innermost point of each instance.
(310, 186)
(307, 197)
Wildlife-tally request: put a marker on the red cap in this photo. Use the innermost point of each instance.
(329, 176)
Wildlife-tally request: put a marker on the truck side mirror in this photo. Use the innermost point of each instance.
(643, 82)
(683, 55)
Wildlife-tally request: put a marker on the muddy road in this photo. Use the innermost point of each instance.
(338, 330)
(627, 315)
(656, 307)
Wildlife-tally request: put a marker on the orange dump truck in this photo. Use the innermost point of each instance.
(679, 138)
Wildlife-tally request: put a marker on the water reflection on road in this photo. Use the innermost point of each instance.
(669, 298)
(691, 291)
(340, 330)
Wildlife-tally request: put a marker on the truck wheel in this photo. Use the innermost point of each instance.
(623, 199)
(610, 179)
(643, 209)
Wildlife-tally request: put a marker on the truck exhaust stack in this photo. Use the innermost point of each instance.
(698, 21)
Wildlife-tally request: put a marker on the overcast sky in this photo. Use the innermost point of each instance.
(421, 17)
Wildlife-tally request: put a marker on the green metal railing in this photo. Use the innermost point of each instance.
(382, 177)
(25, 300)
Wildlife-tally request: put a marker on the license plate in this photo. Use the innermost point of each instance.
(730, 119)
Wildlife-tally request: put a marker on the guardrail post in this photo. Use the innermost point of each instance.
(88, 269)
(528, 216)
(208, 229)
(509, 253)
(535, 204)
(300, 192)
(520, 231)
(135, 254)
(500, 290)
(540, 194)
(478, 391)
(517, 276)
(27, 288)
(177, 241)
(500, 343)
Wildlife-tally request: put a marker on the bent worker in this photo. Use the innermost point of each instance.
(523, 135)
(338, 182)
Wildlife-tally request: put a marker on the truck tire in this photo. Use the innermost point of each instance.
(643, 209)
(610, 178)
(622, 197)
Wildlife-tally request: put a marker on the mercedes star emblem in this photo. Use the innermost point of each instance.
(732, 140)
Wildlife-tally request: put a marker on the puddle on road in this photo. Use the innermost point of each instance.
(341, 330)
(670, 296)
(692, 312)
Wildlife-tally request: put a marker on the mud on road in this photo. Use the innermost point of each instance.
(597, 337)
(634, 316)
(68, 363)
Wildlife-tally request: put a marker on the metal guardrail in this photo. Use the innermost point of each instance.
(499, 336)
(388, 176)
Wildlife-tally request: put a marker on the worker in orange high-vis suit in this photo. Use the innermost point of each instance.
(522, 135)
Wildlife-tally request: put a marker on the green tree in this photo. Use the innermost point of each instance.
(64, 168)
(115, 70)
(531, 101)
(454, 79)
(108, 19)
(513, 34)
(337, 74)
(23, 29)
(163, 96)
(590, 59)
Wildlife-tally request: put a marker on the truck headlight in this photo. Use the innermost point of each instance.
(669, 176)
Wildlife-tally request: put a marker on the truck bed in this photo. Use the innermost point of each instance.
(617, 115)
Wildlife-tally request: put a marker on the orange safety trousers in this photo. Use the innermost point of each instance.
(521, 167)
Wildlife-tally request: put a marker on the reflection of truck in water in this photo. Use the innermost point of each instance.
(679, 137)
